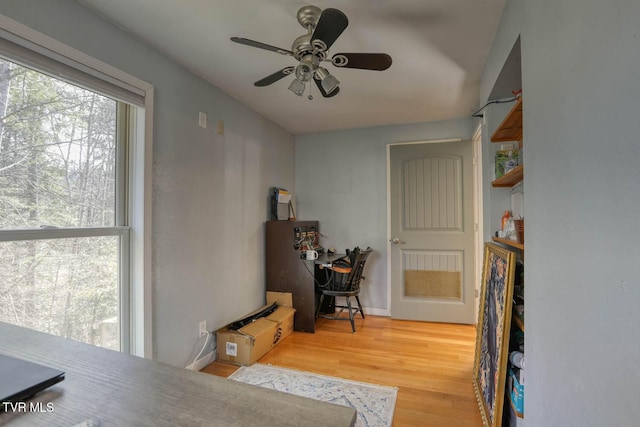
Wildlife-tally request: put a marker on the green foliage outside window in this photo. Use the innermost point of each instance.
(58, 154)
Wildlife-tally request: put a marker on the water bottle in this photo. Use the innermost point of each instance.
(505, 218)
(517, 359)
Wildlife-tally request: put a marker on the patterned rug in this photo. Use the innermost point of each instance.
(375, 404)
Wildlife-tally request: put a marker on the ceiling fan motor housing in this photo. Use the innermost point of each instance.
(304, 46)
(308, 16)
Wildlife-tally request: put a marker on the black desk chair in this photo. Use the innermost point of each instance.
(343, 280)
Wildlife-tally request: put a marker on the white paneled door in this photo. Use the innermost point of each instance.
(432, 232)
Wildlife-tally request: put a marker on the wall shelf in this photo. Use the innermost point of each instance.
(511, 127)
(509, 242)
(510, 131)
(510, 178)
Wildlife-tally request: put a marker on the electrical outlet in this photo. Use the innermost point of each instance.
(202, 328)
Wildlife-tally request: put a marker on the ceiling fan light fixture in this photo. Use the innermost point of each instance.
(328, 81)
(297, 87)
(304, 72)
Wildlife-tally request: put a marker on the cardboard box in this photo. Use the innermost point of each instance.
(249, 343)
(283, 316)
(284, 299)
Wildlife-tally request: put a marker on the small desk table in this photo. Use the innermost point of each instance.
(116, 389)
(327, 258)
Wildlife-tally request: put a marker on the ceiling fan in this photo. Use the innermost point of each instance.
(311, 49)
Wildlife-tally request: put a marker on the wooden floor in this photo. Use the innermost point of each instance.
(430, 363)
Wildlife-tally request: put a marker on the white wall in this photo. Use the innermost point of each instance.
(581, 86)
(581, 62)
(209, 191)
(341, 180)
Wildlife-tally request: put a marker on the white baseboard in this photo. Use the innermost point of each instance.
(201, 363)
(376, 311)
(371, 311)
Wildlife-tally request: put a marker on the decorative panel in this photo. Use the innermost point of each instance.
(432, 274)
(432, 193)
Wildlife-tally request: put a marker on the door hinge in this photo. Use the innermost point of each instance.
(477, 294)
(475, 226)
(474, 162)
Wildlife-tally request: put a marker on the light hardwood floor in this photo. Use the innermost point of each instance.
(430, 363)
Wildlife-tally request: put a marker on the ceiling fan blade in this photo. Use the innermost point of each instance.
(331, 24)
(259, 45)
(323, 92)
(363, 61)
(272, 78)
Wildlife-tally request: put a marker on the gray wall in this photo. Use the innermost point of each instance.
(341, 180)
(581, 131)
(209, 191)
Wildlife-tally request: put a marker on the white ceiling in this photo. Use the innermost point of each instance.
(438, 47)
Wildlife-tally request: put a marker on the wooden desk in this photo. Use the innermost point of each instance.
(327, 258)
(286, 271)
(116, 389)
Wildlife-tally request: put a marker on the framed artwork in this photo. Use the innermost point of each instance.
(492, 340)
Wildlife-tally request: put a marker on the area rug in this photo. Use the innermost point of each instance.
(375, 404)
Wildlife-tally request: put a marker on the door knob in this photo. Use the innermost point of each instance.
(395, 240)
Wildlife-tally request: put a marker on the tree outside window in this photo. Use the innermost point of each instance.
(58, 171)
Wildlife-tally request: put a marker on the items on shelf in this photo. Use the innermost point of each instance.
(515, 379)
(306, 238)
(516, 391)
(511, 228)
(506, 161)
(505, 217)
(509, 231)
(519, 226)
(517, 359)
(281, 205)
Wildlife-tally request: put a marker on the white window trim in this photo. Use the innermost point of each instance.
(141, 326)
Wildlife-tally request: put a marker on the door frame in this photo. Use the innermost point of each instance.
(476, 142)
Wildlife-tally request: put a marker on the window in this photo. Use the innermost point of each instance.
(60, 170)
(74, 194)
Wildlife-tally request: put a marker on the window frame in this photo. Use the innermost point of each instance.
(133, 204)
